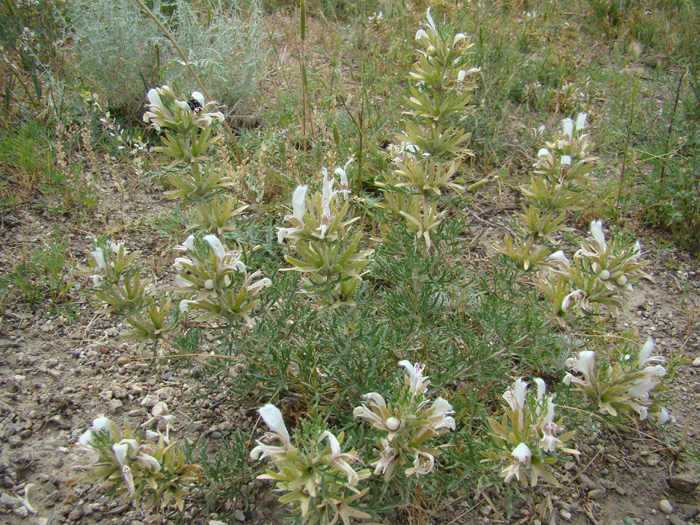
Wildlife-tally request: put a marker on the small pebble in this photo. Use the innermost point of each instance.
(596, 494)
(149, 401)
(665, 506)
(683, 483)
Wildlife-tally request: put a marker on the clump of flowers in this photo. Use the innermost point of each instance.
(600, 273)
(146, 469)
(407, 425)
(190, 131)
(216, 280)
(625, 386)
(328, 251)
(318, 479)
(527, 437)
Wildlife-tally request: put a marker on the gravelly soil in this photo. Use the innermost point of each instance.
(57, 375)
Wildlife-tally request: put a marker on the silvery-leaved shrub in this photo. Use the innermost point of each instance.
(146, 469)
(125, 52)
(311, 471)
(621, 385)
(407, 424)
(527, 438)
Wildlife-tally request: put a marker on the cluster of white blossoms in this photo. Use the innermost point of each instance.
(624, 387)
(408, 424)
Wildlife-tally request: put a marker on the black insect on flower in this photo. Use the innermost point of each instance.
(194, 104)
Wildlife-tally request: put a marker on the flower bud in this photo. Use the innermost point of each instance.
(622, 280)
(604, 275)
(393, 423)
(209, 284)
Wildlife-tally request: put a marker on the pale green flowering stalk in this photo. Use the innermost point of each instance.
(328, 250)
(190, 131)
(115, 277)
(625, 386)
(119, 286)
(527, 438)
(216, 281)
(432, 149)
(407, 425)
(562, 173)
(318, 479)
(148, 470)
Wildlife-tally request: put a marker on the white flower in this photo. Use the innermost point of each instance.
(128, 479)
(188, 245)
(124, 450)
(598, 235)
(386, 457)
(99, 425)
(299, 203)
(567, 125)
(216, 246)
(439, 412)
(196, 95)
(575, 295)
(154, 100)
(344, 179)
(561, 258)
(645, 353)
(422, 464)
(662, 416)
(461, 75)
(326, 198)
(581, 121)
(522, 453)
(515, 395)
(585, 364)
(338, 460)
(566, 160)
(99, 257)
(541, 388)
(520, 456)
(185, 305)
(151, 463)
(420, 34)
(418, 383)
(273, 419)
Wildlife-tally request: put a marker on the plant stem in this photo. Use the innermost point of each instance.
(624, 159)
(668, 136)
